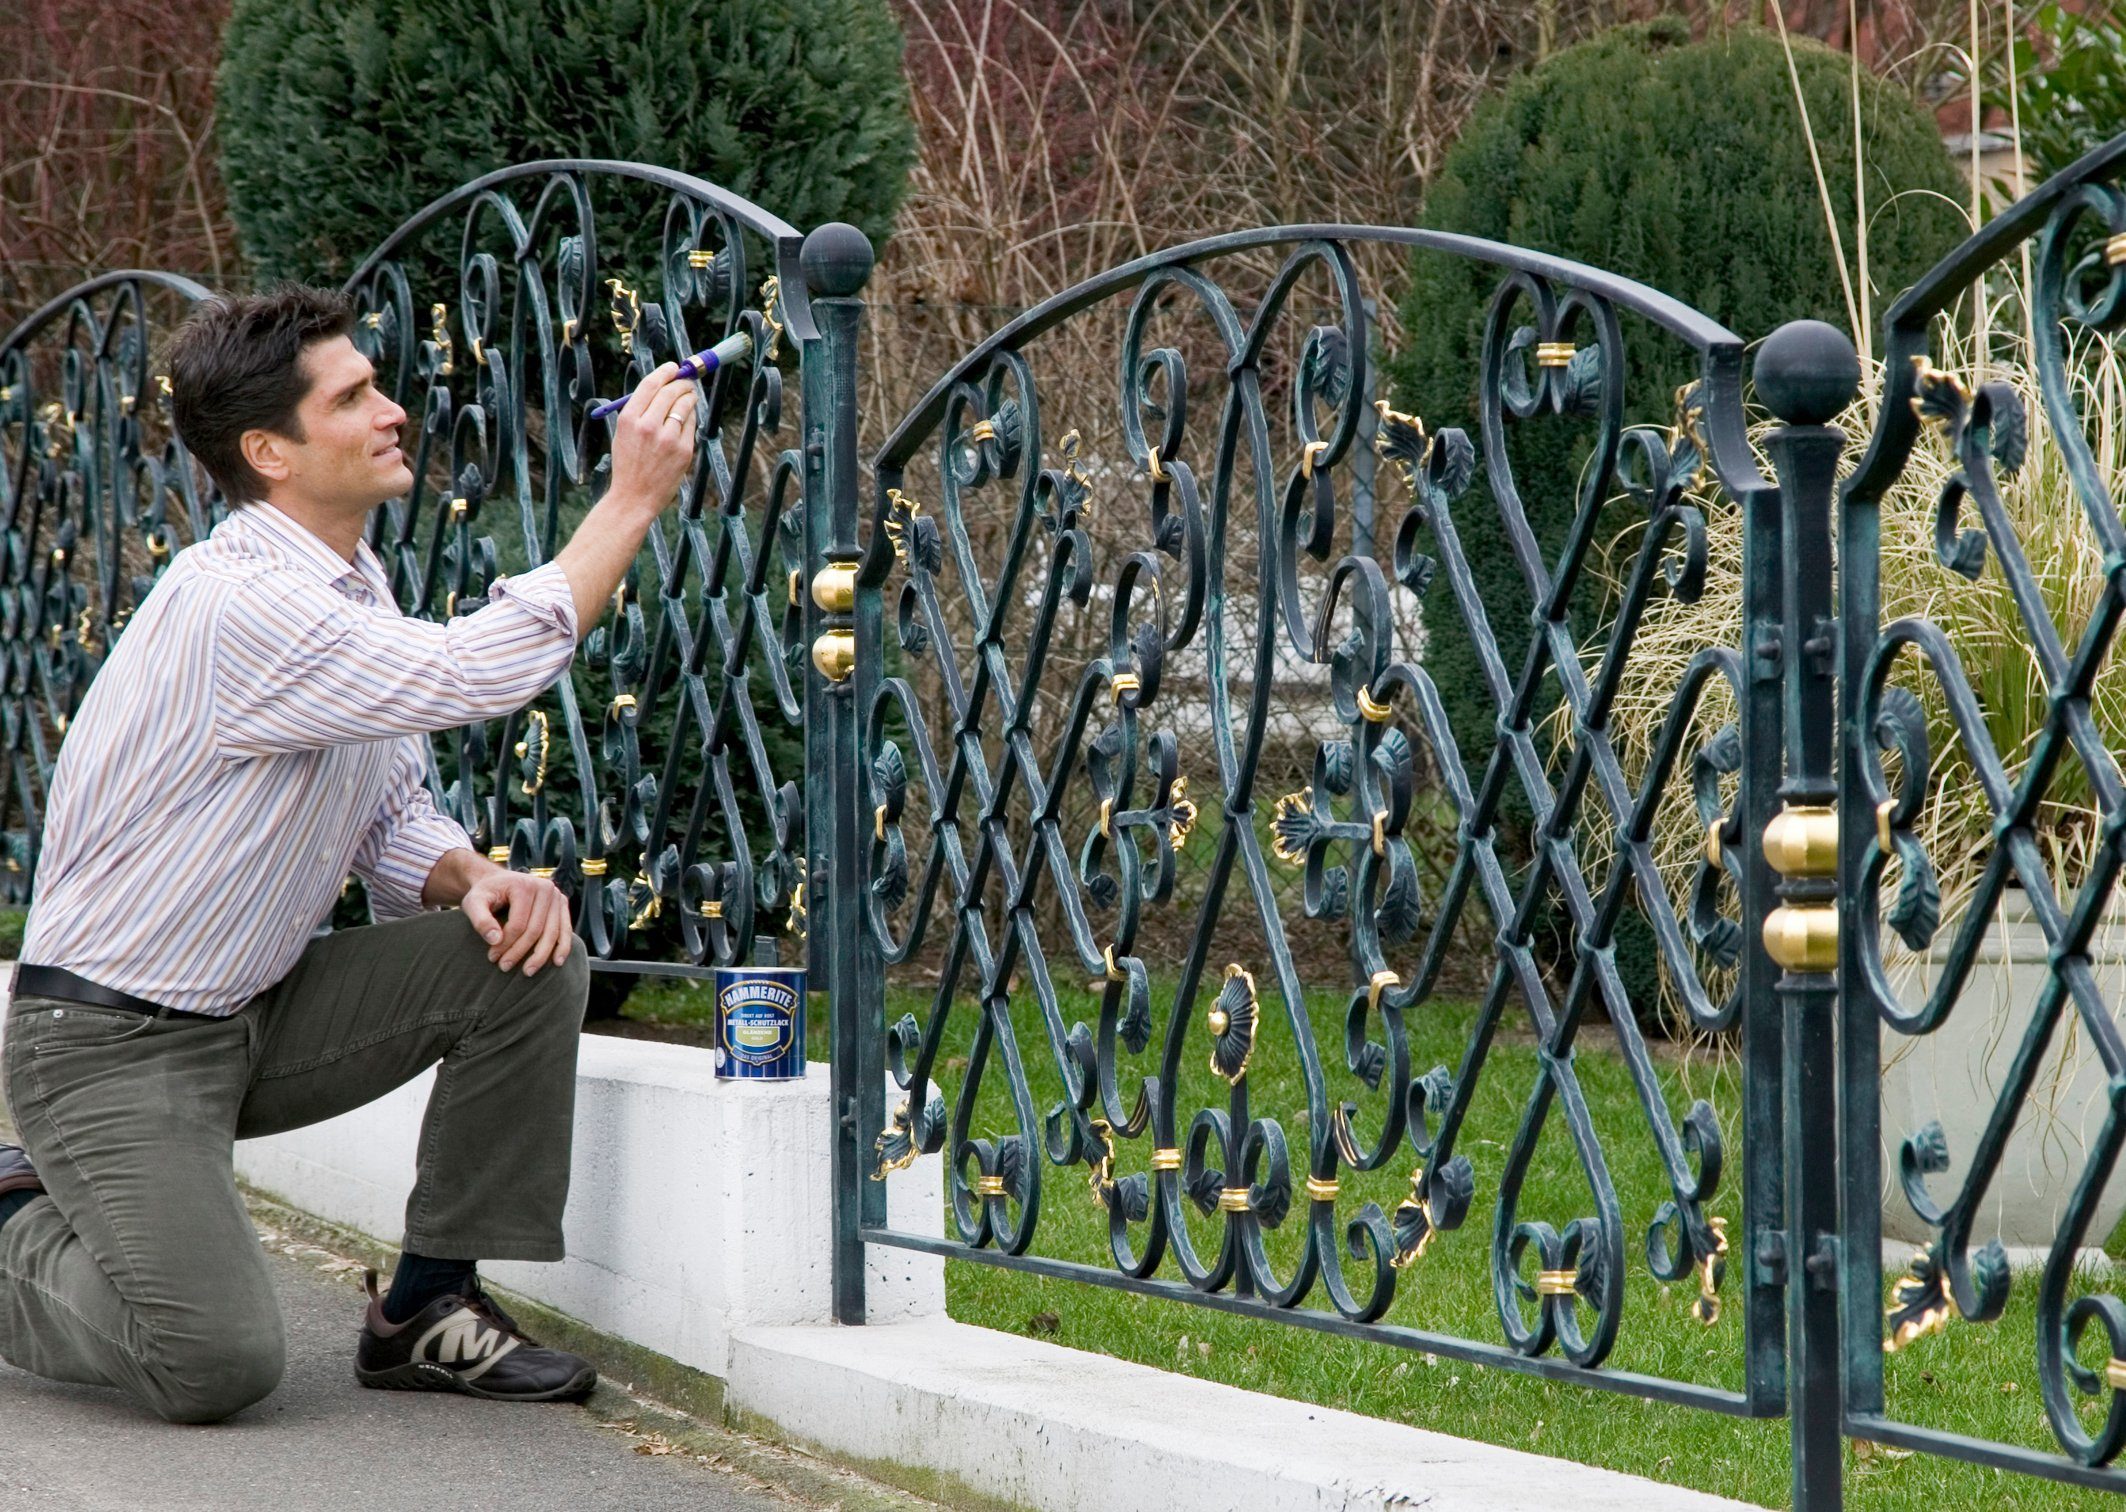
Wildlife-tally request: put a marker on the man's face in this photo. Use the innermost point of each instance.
(349, 453)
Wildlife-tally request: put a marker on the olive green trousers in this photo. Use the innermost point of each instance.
(140, 1268)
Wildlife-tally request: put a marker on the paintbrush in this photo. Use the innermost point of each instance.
(733, 348)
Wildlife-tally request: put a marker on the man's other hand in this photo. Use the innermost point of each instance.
(653, 441)
(523, 919)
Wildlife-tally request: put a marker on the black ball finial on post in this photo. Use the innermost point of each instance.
(836, 259)
(1807, 371)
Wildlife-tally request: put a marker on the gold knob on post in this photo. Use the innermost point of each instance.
(834, 653)
(1802, 938)
(834, 587)
(1803, 842)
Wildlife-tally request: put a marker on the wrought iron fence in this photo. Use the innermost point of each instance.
(662, 786)
(1026, 809)
(2045, 287)
(1064, 661)
(1082, 641)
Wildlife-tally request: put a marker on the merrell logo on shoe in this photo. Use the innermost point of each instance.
(463, 1339)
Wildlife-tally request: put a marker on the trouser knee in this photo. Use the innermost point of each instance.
(562, 991)
(205, 1383)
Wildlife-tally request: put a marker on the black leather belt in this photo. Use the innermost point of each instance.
(56, 982)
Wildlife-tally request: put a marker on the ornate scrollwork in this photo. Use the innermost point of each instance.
(2076, 305)
(1026, 804)
(686, 788)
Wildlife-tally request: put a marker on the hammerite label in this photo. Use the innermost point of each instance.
(758, 1017)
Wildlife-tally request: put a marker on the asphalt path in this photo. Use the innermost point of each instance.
(321, 1441)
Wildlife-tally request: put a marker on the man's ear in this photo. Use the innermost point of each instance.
(267, 454)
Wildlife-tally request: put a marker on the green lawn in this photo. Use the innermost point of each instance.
(1977, 1380)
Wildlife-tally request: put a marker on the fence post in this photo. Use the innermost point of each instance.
(836, 260)
(1806, 373)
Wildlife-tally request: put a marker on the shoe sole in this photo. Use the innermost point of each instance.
(422, 1375)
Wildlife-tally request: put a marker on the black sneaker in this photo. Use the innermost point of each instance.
(16, 1172)
(465, 1343)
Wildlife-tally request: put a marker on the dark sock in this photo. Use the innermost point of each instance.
(419, 1280)
(13, 1203)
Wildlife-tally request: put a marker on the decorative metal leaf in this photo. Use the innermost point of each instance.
(1685, 462)
(1103, 890)
(1396, 763)
(1335, 894)
(1232, 1025)
(1580, 390)
(1271, 1201)
(1135, 1028)
(896, 1145)
(1401, 909)
(1010, 423)
(1428, 1095)
(1013, 1166)
(1328, 369)
(1929, 1149)
(1453, 462)
(889, 776)
(890, 884)
(1963, 554)
(1131, 1197)
(1919, 1302)
(1203, 1189)
(930, 1127)
(1452, 1191)
(1294, 826)
(1337, 762)
(1401, 439)
(927, 546)
(1940, 398)
(1916, 911)
(1370, 1063)
(2007, 425)
(1989, 1277)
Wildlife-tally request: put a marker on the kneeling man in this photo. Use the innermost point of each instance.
(258, 732)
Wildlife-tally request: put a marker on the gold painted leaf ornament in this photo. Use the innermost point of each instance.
(1232, 1024)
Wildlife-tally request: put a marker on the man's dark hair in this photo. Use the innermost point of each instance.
(236, 365)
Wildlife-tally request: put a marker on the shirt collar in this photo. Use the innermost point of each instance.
(273, 534)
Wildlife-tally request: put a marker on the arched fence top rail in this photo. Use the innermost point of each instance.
(2048, 211)
(1720, 348)
(736, 210)
(33, 323)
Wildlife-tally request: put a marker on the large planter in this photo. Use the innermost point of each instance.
(1954, 1076)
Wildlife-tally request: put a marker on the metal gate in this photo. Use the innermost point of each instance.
(1096, 640)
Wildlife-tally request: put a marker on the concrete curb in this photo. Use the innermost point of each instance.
(1024, 1423)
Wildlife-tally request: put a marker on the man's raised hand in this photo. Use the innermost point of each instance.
(653, 440)
(523, 919)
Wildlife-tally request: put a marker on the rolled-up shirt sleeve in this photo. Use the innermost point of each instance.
(406, 838)
(297, 666)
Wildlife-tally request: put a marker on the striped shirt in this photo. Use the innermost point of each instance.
(258, 732)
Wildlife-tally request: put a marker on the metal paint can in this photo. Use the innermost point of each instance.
(760, 1023)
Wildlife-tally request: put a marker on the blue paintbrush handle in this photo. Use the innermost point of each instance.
(732, 348)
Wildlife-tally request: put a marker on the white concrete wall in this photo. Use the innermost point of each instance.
(696, 1206)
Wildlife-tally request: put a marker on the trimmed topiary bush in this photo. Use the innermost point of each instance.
(1686, 166)
(340, 118)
